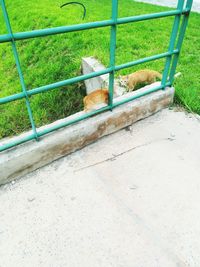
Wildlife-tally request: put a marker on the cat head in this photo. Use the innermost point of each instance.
(123, 80)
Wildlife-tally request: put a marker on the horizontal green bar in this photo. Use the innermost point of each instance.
(82, 117)
(86, 26)
(151, 16)
(56, 30)
(139, 94)
(52, 86)
(11, 98)
(144, 60)
(51, 129)
(68, 81)
(17, 142)
(83, 77)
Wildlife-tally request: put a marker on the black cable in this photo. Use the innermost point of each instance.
(77, 3)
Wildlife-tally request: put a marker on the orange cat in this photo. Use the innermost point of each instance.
(141, 76)
(99, 96)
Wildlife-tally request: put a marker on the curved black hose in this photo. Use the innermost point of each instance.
(77, 3)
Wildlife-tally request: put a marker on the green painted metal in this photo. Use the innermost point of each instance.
(17, 61)
(144, 60)
(113, 22)
(139, 94)
(86, 26)
(113, 39)
(180, 39)
(29, 137)
(172, 42)
(56, 85)
(80, 118)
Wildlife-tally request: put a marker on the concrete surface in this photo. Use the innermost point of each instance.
(172, 3)
(91, 64)
(129, 200)
(88, 65)
(32, 155)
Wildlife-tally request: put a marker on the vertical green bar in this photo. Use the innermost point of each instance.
(180, 40)
(113, 38)
(172, 42)
(14, 48)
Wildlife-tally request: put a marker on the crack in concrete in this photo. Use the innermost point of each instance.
(115, 156)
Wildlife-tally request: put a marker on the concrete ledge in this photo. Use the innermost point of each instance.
(32, 155)
(91, 64)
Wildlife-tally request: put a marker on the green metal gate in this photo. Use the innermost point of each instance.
(179, 27)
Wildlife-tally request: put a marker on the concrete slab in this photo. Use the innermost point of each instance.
(130, 199)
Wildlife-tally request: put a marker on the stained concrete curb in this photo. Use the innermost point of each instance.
(27, 157)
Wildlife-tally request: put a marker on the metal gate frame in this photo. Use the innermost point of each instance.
(177, 35)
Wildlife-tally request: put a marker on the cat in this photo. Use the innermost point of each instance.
(141, 76)
(100, 96)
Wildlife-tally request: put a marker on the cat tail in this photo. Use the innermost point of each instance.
(178, 74)
(158, 75)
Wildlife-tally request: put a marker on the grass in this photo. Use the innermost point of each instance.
(49, 59)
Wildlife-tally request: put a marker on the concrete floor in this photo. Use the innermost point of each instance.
(172, 3)
(130, 200)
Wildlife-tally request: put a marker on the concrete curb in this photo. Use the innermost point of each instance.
(28, 157)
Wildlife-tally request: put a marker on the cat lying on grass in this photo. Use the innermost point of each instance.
(139, 77)
(100, 96)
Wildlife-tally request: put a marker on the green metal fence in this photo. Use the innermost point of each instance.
(178, 30)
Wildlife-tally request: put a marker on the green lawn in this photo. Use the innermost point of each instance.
(49, 59)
